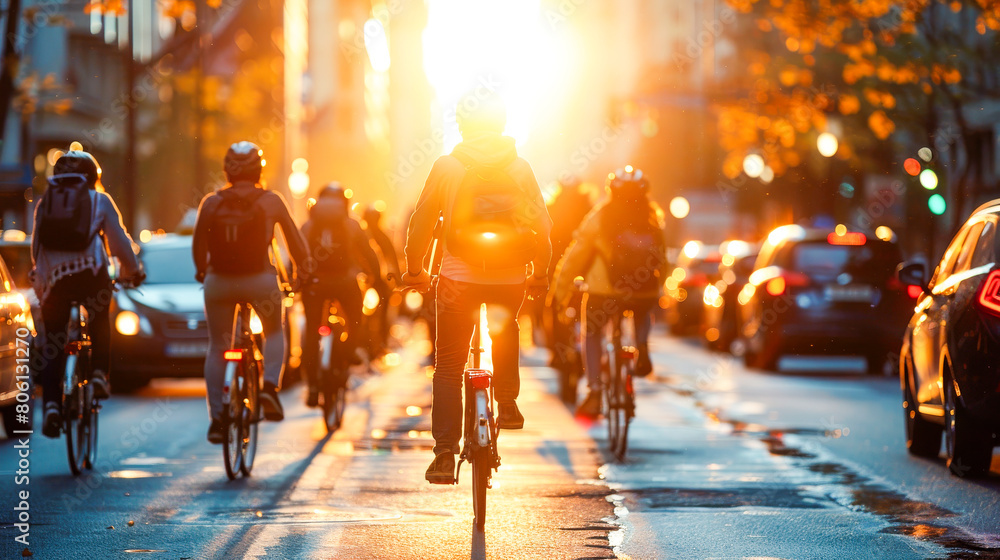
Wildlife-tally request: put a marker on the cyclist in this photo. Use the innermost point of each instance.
(380, 327)
(485, 260)
(620, 252)
(568, 209)
(233, 230)
(76, 226)
(340, 250)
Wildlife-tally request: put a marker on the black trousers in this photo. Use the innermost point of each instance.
(458, 305)
(95, 293)
(316, 300)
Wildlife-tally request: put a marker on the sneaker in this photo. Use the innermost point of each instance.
(591, 406)
(312, 397)
(215, 434)
(643, 365)
(52, 424)
(509, 417)
(99, 380)
(442, 469)
(271, 404)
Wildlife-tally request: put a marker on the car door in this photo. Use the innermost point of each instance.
(962, 325)
(931, 310)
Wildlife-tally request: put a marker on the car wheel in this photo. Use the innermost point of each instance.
(923, 438)
(970, 448)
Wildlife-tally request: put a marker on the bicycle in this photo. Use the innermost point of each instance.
(80, 407)
(241, 410)
(479, 440)
(333, 367)
(619, 393)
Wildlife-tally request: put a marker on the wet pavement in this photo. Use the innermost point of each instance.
(722, 463)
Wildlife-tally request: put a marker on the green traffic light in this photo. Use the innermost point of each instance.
(937, 204)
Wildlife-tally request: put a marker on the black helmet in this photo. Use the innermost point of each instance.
(627, 182)
(335, 190)
(244, 161)
(79, 163)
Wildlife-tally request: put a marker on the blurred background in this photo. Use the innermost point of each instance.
(756, 114)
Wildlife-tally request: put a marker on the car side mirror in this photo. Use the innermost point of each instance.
(913, 274)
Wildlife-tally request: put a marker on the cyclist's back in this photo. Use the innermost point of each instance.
(495, 226)
(620, 252)
(234, 228)
(71, 265)
(339, 249)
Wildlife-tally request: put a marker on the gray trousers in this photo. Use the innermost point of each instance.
(222, 293)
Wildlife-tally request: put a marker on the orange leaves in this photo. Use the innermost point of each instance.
(108, 7)
(881, 125)
(855, 71)
(177, 8)
(848, 104)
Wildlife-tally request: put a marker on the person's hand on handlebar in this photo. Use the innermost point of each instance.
(421, 281)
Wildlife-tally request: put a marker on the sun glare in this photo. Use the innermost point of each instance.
(506, 46)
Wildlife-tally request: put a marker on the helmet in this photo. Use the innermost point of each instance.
(628, 182)
(80, 163)
(335, 190)
(481, 112)
(244, 161)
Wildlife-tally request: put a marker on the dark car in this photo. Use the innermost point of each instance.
(15, 336)
(721, 316)
(828, 292)
(159, 330)
(948, 364)
(697, 267)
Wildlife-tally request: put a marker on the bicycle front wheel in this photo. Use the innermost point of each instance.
(75, 426)
(618, 407)
(91, 425)
(334, 401)
(250, 417)
(232, 433)
(480, 483)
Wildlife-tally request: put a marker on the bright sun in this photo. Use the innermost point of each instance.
(506, 44)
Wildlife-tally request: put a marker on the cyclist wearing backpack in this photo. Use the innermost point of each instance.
(234, 228)
(620, 252)
(76, 225)
(340, 250)
(495, 225)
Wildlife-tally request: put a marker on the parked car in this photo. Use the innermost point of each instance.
(697, 267)
(948, 366)
(15, 315)
(721, 316)
(825, 291)
(159, 329)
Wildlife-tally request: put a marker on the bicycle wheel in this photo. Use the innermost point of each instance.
(75, 418)
(232, 433)
(480, 482)
(617, 407)
(250, 417)
(334, 400)
(91, 426)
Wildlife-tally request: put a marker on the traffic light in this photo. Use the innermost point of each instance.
(937, 204)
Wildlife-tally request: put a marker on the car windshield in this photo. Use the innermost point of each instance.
(172, 265)
(872, 262)
(18, 261)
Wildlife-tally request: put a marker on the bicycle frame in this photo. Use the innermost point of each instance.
(80, 409)
(618, 389)
(240, 396)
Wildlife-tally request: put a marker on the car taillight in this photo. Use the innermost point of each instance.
(989, 293)
(776, 286)
(912, 291)
(848, 238)
(480, 378)
(233, 355)
(698, 280)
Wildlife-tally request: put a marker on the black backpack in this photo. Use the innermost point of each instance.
(490, 219)
(66, 214)
(330, 248)
(637, 254)
(237, 234)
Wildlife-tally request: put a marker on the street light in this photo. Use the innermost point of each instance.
(679, 207)
(753, 165)
(298, 180)
(827, 144)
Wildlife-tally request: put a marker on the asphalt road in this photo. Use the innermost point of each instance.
(723, 463)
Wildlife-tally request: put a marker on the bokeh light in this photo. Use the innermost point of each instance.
(679, 207)
(937, 204)
(827, 144)
(928, 179)
(753, 165)
(911, 166)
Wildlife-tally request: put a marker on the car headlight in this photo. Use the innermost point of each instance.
(127, 323)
